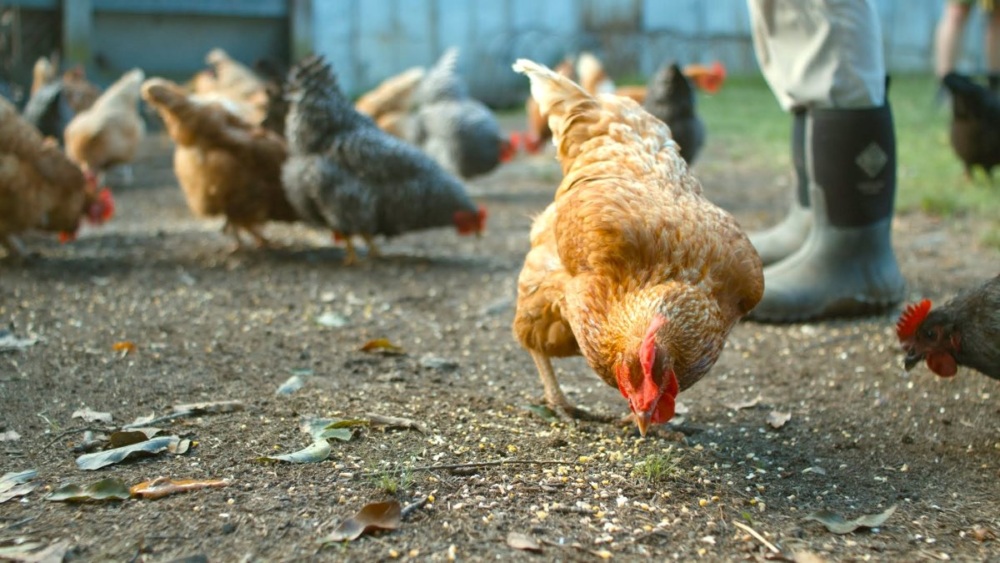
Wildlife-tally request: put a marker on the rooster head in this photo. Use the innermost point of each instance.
(923, 336)
(470, 222)
(100, 204)
(708, 78)
(508, 148)
(651, 386)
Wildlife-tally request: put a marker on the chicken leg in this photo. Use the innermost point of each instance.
(373, 250)
(553, 393)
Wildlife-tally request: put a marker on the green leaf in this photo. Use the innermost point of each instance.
(839, 525)
(98, 460)
(318, 451)
(105, 489)
(547, 414)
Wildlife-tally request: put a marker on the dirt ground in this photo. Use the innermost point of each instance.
(210, 325)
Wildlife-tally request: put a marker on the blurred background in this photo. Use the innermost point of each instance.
(367, 40)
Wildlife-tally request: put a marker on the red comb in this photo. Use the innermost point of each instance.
(911, 318)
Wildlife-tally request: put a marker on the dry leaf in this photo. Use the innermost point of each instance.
(33, 552)
(525, 542)
(332, 320)
(317, 451)
(124, 438)
(98, 460)
(9, 436)
(163, 486)
(89, 415)
(11, 343)
(839, 525)
(126, 347)
(395, 422)
(778, 419)
(291, 385)
(211, 407)
(13, 485)
(382, 345)
(744, 404)
(373, 517)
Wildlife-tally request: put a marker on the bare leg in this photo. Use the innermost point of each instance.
(352, 257)
(553, 393)
(233, 231)
(258, 237)
(373, 250)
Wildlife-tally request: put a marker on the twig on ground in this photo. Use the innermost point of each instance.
(473, 465)
(757, 535)
(413, 506)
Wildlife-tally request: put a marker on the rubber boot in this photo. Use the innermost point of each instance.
(781, 240)
(846, 267)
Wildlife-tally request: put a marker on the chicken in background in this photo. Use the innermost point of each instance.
(43, 73)
(965, 331)
(458, 131)
(234, 81)
(390, 103)
(40, 189)
(345, 174)
(225, 165)
(273, 74)
(630, 266)
(107, 134)
(538, 132)
(53, 105)
(975, 124)
(592, 76)
(671, 99)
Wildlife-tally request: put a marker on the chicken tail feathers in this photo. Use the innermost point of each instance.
(558, 97)
(442, 81)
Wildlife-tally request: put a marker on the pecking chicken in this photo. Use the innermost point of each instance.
(458, 131)
(963, 332)
(54, 103)
(975, 123)
(671, 99)
(107, 134)
(225, 165)
(346, 174)
(390, 102)
(235, 81)
(630, 266)
(40, 189)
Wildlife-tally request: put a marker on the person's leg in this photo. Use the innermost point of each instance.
(826, 57)
(948, 35)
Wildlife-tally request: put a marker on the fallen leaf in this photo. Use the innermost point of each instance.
(738, 406)
(11, 343)
(163, 486)
(330, 428)
(546, 413)
(13, 485)
(33, 552)
(211, 407)
(778, 419)
(124, 438)
(105, 489)
(395, 422)
(9, 436)
(154, 446)
(125, 347)
(373, 517)
(382, 345)
(89, 415)
(431, 361)
(839, 525)
(291, 385)
(317, 451)
(332, 320)
(524, 542)
(807, 557)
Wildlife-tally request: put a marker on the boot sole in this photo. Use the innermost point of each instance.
(843, 308)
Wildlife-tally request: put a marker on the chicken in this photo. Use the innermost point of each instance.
(963, 332)
(459, 132)
(592, 76)
(346, 174)
(108, 133)
(42, 74)
(538, 132)
(390, 102)
(671, 99)
(975, 123)
(630, 266)
(234, 80)
(52, 105)
(276, 107)
(225, 165)
(706, 77)
(39, 187)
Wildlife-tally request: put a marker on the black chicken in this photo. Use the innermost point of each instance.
(975, 123)
(670, 97)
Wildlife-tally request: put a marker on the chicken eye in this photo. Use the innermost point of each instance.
(929, 333)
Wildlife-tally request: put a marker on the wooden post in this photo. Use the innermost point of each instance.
(300, 21)
(77, 20)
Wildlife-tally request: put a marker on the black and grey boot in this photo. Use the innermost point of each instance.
(781, 240)
(846, 266)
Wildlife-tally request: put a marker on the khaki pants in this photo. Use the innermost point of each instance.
(820, 53)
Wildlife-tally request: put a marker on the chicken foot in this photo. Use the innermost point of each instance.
(554, 396)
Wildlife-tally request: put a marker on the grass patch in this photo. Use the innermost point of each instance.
(659, 467)
(391, 482)
(746, 119)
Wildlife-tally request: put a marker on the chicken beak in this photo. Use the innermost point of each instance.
(911, 360)
(642, 420)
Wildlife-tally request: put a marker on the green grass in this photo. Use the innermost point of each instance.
(659, 467)
(393, 482)
(745, 118)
